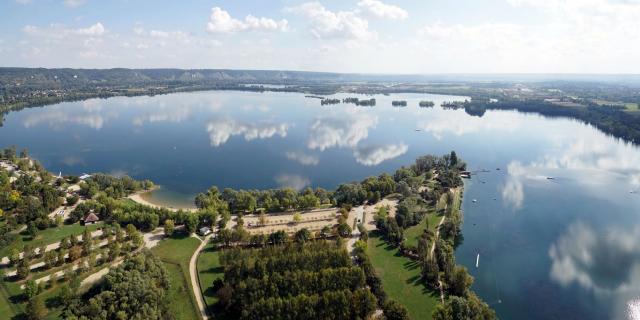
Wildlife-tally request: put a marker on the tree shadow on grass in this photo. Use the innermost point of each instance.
(179, 235)
(411, 264)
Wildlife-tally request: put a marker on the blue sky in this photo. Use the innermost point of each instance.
(373, 36)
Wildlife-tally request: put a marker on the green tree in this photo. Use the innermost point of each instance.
(344, 230)
(297, 217)
(32, 230)
(225, 237)
(169, 227)
(31, 289)
(58, 221)
(66, 295)
(75, 253)
(395, 311)
(49, 259)
(60, 258)
(36, 309)
(14, 257)
(461, 281)
(278, 237)
(303, 235)
(262, 219)
(191, 223)
(23, 269)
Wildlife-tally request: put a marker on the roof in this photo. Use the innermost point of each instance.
(91, 218)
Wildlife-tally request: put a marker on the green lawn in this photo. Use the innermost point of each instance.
(209, 269)
(401, 279)
(45, 237)
(6, 308)
(175, 253)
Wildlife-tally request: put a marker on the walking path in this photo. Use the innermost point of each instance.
(193, 273)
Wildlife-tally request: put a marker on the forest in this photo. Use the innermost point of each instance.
(314, 280)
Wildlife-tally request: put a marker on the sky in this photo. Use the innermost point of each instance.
(361, 36)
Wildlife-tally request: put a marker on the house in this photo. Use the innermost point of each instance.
(204, 231)
(91, 218)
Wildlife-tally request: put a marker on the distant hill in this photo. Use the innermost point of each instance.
(44, 78)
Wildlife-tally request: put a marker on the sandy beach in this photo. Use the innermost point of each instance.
(140, 198)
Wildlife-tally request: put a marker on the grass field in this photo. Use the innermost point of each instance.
(209, 269)
(175, 253)
(401, 279)
(630, 106)
(45, 237)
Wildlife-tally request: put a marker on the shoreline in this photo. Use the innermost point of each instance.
(139, 198)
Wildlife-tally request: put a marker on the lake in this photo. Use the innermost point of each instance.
(555, 220)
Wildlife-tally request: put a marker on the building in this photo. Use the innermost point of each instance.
(91, 218)
(204, 231)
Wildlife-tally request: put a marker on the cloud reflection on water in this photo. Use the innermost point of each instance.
(344, 131)
(294, 181)
(221, 130)
(604, 262)
(374, 155)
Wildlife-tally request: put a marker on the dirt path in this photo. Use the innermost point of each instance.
(433, 246)
(193, 273)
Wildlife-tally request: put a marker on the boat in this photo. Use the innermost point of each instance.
(474, 200)
(477, 260)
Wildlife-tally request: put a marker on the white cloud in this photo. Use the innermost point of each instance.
(303, 158)
(343, 131)
(221, 21)
(94, 30)
(170, 35)
(374, 155)
(59, 31)
(74, 3)
(383, 10)
(221, 130)
(328, 24)
(292, 181)
(575, 35)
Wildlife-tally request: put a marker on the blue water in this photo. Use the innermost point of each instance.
(561, 248)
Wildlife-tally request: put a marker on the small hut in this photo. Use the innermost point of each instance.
(91, 218)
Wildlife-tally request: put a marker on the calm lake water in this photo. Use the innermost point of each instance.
(561, 248)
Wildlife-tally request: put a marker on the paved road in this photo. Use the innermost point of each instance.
(193, 273)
